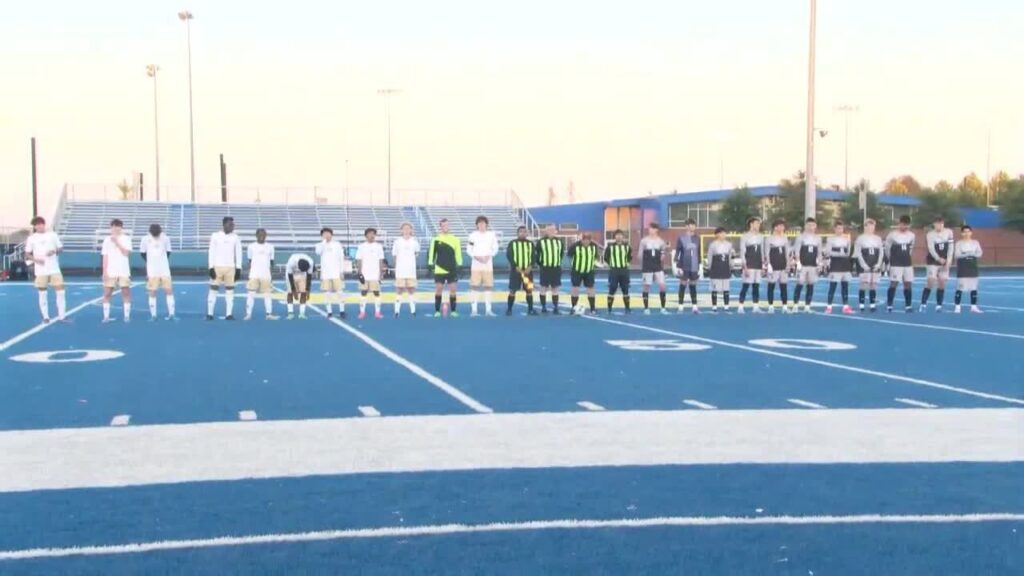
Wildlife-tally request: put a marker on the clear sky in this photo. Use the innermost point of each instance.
(623, 98)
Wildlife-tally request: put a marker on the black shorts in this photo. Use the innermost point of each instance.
(515, 281)
(618, 279)
(446, 278)
(689, 275)
(551, 277)
(579, 278)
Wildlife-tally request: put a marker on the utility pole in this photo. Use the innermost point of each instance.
(810, 189)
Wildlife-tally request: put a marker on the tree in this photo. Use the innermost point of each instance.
(944, 187)
(739, 205)
(934, 204)
(971, 192)
(998, 185)
(1012, 205)
(905, 185)
(851, 213)
(790, 204)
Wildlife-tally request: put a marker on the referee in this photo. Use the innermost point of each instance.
(617, 256)
(584, 258)
(520, 261)
(550, 251)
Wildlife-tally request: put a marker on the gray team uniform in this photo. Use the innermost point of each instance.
(840, 263)
(868, 251)
(807, 249)
(779, 256)
(752, 252)
(940, 246)
(967, 255)
(899, 247)
(651, 251)
(720, 253)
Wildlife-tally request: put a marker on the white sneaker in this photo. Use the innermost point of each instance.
(490, 314)
(956, 309)
(664, 311)
(828, 309)
(696, 309)
(473, 314)
(247, 317)
(976, 310)
(756, 310)
(680, 308)
(923, 308)
(647, 311)
(771, 309)
(740, 310)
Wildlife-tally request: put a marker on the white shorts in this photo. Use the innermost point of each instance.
(937, 272)
(901, 273)
(719, 285)
(807, 275)
(870, 278)
(778, 277)
(752, 275)
(840, 276)
(968, 284)
(653, 277)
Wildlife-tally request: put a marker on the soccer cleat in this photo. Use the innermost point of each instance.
(171, 318)
(437, 314)
(210, 316)
(695, 309)
(343, 315)
(532, 312)
(490, 314)
(909, 310)
(771, 309)
(888, 309)
(861, 307)
(976, 310)
(229, 317)
(680, 309)
(647, 311)
(740, 310)
(397, 315)
(874, 309)
(249, 317)
(828, 309)
(46, 320)
(664, 311)
(272, 317)
(508, 312)
(556, 311)
(454, 314)
(847, 309)
(378, 316)
(956, 309)
(330, 315)
(127, 320)
(108, 320)
(290, 316)
(938, 308)
(152, 318)
(302, 316)
(923, 308)
(756, 310)
(473, 314)
(544, 310)
(362, 315)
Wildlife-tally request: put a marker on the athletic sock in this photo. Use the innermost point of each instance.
(543, 300)
(574, 300)
(925, 294)
(890, 296)
(412, 303)
(211, 301)
(714, 298)
(474, 300)
(452, 302)
(756, 293)
(250, 303)
(268, 305)
(693, 294)
(974, 297)
(592, 300)
(682, 293)
(784, 292)
(152, 306)
(908, 296)
(362, 303)
(831, 292)
(958, 296)
(106, 310)
(647, 298)
(488, 301)
(725, 297)
(376, 302)
(625, 300)
(796, 294)
(810, 294)
(743, 293)
(663, 297)
(62, 303)
(940, 296)
(170, 304)
(771, 294)
(511, 300)
(302, 309)
(873, 294)
(229, 297)
(437, 302)
(291, 308)
(554, 301)
(127, 310)
(44, 305)
(529, 300)
(611, 301)
(860, 296)
(844, 290)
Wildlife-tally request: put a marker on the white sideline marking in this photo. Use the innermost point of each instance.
(1007, 308)
(929, 326)
(448, 529)
(701, 405)
(121, 420)
(247, 415)
(369, 411)
(142, 455)
(587, 405)
(912, 402)
(40, 327)
(445, 387)
(884, 375)
(805, 403)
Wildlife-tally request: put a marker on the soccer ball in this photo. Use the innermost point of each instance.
(580, 309)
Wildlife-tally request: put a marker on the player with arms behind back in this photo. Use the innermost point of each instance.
(940, 259)
(719, 255)
(405, 250)
(225, 262)
(332, 273)
(117, 269)
(445, 256)
(780, 260)
(652, 266)
(41, 249)
(370, 257)
(968, 255)
(482, 246)
(840, 266)
(155, 249)
(618, 255)
(584, 260)
(687, 264)
(868, 249)
(807, 251)
(261, 264)
(752, 253)
(899, 247)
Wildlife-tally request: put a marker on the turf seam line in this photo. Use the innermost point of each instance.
(537, 525)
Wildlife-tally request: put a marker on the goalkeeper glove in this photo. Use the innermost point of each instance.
(213, 274)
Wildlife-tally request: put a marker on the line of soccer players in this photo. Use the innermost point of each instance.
(771, 256)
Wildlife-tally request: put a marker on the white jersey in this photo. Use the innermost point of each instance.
(40, 245)
(260, 257)
(482, 245)
(369, 255)
(332, 259)
(156, 250)
(292, 267)
(117, 263)
(405, 252)
(225, 250)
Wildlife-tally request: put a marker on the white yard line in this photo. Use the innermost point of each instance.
(917, 403)
(121, 420)
(701, 405)
(40, 327)
(247, 415)
(369, 411)
(587, 405)
(806, 404)
(528, 526)
(928, 326)
(847, 367)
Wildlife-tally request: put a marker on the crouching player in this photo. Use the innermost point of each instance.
(720, 254)
(967, 254)
(300, 271)
(840, 267)
(584, 259)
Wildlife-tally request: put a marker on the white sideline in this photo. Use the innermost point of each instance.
(448, 529)
(917, 403)
(699, 404)
(928, 326)
(40, 327)
(587, 405)
(369, 411)
(805, 403)
(143, 455)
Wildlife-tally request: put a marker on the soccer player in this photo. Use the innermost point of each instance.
(299, 270)
(618, 255)
(370, 256)
(225, 262)
(967, 254)
(156, 251)
(940, 250)
(899, 247)
(332, 265)
(752, 250)
(117, 271)
(550, 251)
(42, 249)
(520, 260)
(652, 248)
(405, 251)
(584, 260)
(807, 250)
(780, 260)
(840, 266)
(720, 254)
(868, 250)
(261, 265)
(687, 264)
(445, 256)
(482, 246)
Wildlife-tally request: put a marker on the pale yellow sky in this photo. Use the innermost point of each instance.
(622, 101)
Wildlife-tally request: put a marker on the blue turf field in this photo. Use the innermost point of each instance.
(617, 444)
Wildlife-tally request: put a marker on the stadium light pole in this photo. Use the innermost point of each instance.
(846, 109)
(186, 17)
(151, 71)
(387, 93)
(810, 188)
